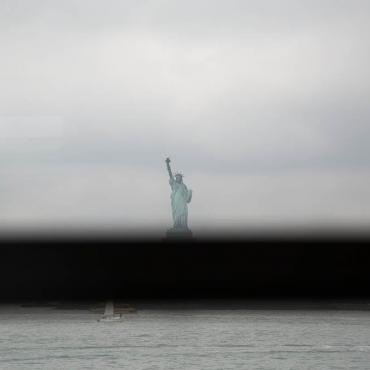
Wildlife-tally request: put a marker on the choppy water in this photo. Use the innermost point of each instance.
(44, 338)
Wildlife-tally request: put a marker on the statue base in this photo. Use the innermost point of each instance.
(179, 234)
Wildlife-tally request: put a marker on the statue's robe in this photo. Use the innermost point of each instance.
(180, 196)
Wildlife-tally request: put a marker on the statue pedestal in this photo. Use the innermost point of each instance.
(179, 234)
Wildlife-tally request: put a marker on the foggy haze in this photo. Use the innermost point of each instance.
(263, 105)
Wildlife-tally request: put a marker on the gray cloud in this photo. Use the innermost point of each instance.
(229, 89)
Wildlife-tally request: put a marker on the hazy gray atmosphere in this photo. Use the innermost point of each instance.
(263, 105)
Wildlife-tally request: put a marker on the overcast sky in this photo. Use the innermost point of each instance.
(263, 105)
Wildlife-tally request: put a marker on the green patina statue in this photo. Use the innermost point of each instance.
(180, 197)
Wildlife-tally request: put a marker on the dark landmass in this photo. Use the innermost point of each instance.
(95, 267)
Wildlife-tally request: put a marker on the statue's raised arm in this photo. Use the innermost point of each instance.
(169, 168)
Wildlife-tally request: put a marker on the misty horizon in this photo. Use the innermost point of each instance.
(262, 105)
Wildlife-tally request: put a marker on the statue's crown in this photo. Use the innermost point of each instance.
(179, 173)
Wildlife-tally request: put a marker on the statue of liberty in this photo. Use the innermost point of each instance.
(180, 197)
